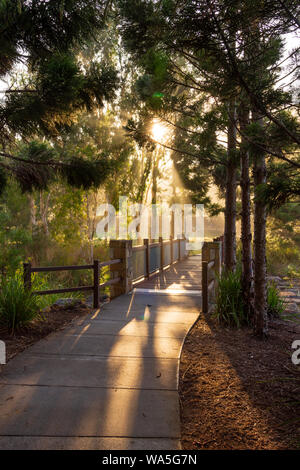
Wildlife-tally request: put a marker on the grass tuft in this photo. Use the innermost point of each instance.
(18, 306)
(229, 303)
(275, 302)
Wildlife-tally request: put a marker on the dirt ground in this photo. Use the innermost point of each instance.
(55, 319)
(238, 392)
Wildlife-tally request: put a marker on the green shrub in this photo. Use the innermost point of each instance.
(17, 305)
(275, 303)
(283, 255)
(229, 303)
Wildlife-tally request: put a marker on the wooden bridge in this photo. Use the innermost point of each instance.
(161, 266)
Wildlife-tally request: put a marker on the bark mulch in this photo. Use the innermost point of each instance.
(239, 392)
(56, 318)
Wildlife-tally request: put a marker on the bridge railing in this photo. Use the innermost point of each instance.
(150, 258)
(142, 261)
(211, 270)
(127, 266)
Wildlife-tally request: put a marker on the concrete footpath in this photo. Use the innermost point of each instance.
(108, 381)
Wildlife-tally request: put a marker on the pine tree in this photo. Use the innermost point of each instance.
(46, 38)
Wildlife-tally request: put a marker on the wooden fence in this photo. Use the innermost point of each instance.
(127, 265)
(96, 267)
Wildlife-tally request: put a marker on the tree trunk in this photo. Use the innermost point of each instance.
(230, 199)
(260, 271)
(246, 235)
(44, 205)
(89, 234)
(32, 205)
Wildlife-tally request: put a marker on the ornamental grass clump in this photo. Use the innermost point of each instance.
(18, 306)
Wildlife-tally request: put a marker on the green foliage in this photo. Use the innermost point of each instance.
(275, 302)
(276, 138)
(280, 189)
(229, 303)
(48, 282)
(100, 84)
(283, 239)
(81, 173)
(59, 81)
(55, 93)
(38, 164)
(18, 306)
(34, 170)
(283, 257)
(54, 86)
(41, 28)
(15, 235)
(3, 180)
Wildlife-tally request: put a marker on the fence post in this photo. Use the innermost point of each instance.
(204, 287)
(161, 243)
(222, 250)
(212, 251)
(146, 243)
(221, 239)
(27, 275)
(185, 255)
(171, 249)
(121, 249)
(96, 283)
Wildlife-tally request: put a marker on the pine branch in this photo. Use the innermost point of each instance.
(262, 147)
(32, 162)
(291, 15)
(24, 90)
(257, 103)
(184, 152)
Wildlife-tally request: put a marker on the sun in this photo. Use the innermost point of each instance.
(158, 131)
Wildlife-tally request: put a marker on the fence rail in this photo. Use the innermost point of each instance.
(96, 267)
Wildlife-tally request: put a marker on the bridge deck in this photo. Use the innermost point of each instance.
(182, 276)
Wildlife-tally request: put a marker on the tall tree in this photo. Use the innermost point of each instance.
(246, 234)
(230, 197)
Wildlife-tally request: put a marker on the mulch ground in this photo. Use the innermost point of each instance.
(53, 320)
(238, 392)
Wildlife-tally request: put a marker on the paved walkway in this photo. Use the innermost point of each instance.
(106, 382)
(180, 277)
